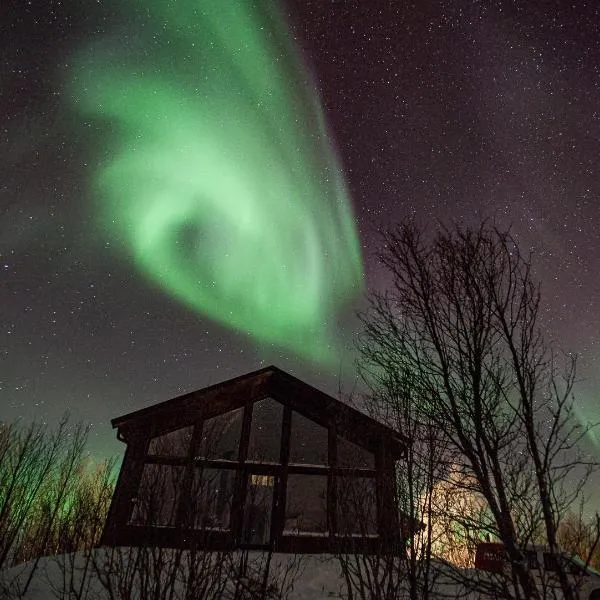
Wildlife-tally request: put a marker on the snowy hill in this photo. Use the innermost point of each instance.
(109, 574)
(75, 577)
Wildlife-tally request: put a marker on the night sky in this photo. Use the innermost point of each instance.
(435, 111)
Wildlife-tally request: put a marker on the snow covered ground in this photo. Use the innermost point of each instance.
(320, 579)
(72, 577)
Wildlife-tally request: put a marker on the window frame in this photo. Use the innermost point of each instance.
(280, 470)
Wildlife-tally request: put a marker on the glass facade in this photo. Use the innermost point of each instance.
(306, 504)
(258, 510)
(221, 436)
(174, 443)
(356, 505)
(264, 444)
(282, 488)
(308, 441)
(158, 496)
(211, 496)
(353, 456)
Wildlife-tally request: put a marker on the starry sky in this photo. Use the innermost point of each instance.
(433, 110)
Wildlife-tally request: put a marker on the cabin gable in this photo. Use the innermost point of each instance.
(262, 461)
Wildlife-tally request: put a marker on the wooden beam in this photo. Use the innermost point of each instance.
(331, 480)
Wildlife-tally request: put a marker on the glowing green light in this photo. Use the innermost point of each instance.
(221, 182)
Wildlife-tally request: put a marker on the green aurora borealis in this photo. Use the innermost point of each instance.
(219, 179)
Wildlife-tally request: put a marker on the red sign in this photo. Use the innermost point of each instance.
(490, 557)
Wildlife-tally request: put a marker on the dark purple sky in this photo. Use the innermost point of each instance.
(491, 110)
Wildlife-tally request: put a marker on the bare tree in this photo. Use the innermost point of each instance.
(580, 536)
(27, 458)
(462, 319)
(79, 528)
(262, 575)
(408, 571)
(38, 474)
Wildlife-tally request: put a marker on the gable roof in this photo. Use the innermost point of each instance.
(252, 387)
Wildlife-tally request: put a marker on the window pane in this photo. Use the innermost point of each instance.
(308, 441)
(174, 443)
(211, 496)
(158, 495)
(550, 562)
(258, 509)
(264, 480)
(306, 504)
(221, 436)
(532, 559)
(356, 506)
(265, 433)
(352, 456)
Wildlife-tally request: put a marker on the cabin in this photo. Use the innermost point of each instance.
(262, 461)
